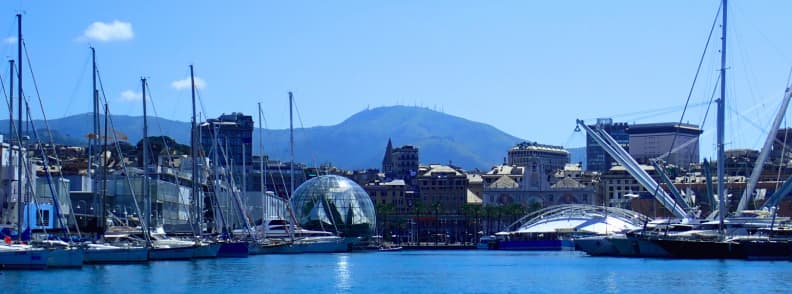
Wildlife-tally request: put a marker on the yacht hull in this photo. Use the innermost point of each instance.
(208, 250)
(636, 246)
(698, 249)
(310, 245)
(66, 257)
(28, 259)
(596, 246)
(177, 253)
(767, 250)
(116, 255)
(537, 245)
(233, 249)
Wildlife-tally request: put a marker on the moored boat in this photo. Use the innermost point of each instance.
(105, 253)
(22, 257)
(233, 249)
(206, 250)
(61, 254)
(170, 253)
(701, 249)
(597, 245)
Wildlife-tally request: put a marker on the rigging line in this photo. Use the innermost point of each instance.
(747, 70)
(121, 156)
(76, 86)
(126, 172)
(712, 98)
(758, 31)
(652, 111)
(783, 152)
(695, 77)
(306, 137)
(45, 162)
(159, 126)
(657, 114)
(44, 116)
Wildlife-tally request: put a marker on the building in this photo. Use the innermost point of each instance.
(443, 185)
(234, 136)
(596, 157)
(619, 187)
(656, 140)
(551, 157)
(391, 194)
(532, 187)
(781, 150)
(277, 176)
(400, 162)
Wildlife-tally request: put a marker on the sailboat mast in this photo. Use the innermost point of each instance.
(262, 178)
(20, 198)
(94, 120)
(11, 100)
(146, 196)
(104, 168)
(720, 127)
(194, 156)
(291, 145)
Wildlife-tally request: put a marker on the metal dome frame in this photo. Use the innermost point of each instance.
(578, 210)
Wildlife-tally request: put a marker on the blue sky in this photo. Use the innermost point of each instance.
(529, 68)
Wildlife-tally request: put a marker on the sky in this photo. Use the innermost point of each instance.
(529, 68)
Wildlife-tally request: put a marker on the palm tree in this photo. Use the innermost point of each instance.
(418, 208)
(513, 212)
(476, 220)
(386, 210)
(467, 212)
(436, 209)
(490, 211)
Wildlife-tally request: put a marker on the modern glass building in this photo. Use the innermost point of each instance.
(335, 204)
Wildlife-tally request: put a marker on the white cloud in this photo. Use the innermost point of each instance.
(131, 96)
(185, 83)
(108, 32)
(10, 40)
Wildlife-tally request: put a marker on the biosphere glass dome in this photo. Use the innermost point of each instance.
(335, 204)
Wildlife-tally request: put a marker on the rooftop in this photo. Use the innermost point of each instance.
(525, 145)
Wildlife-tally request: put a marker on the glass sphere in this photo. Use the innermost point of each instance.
(334, 204)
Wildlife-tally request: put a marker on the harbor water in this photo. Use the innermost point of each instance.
(464, 271)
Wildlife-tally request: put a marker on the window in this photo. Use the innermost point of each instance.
(42, 219)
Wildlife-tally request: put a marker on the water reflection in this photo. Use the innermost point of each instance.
(342, 272)
(413, 272)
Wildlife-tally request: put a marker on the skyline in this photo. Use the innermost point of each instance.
(528, 69)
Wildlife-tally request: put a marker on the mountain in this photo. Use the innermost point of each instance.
(359, 141)
(74, 130)
(356, 143)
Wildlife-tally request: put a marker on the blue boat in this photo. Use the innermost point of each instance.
(533, 241)
(233, 249)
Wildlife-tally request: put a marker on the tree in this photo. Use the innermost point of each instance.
(417, 208)
(383, 210)
(436, 208)
(471, 211)
(490, 211)
(158, 145)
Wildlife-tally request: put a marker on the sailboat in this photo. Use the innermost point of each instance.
(160, 246)
(310, 241)
(102, 251)
(52, 253)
